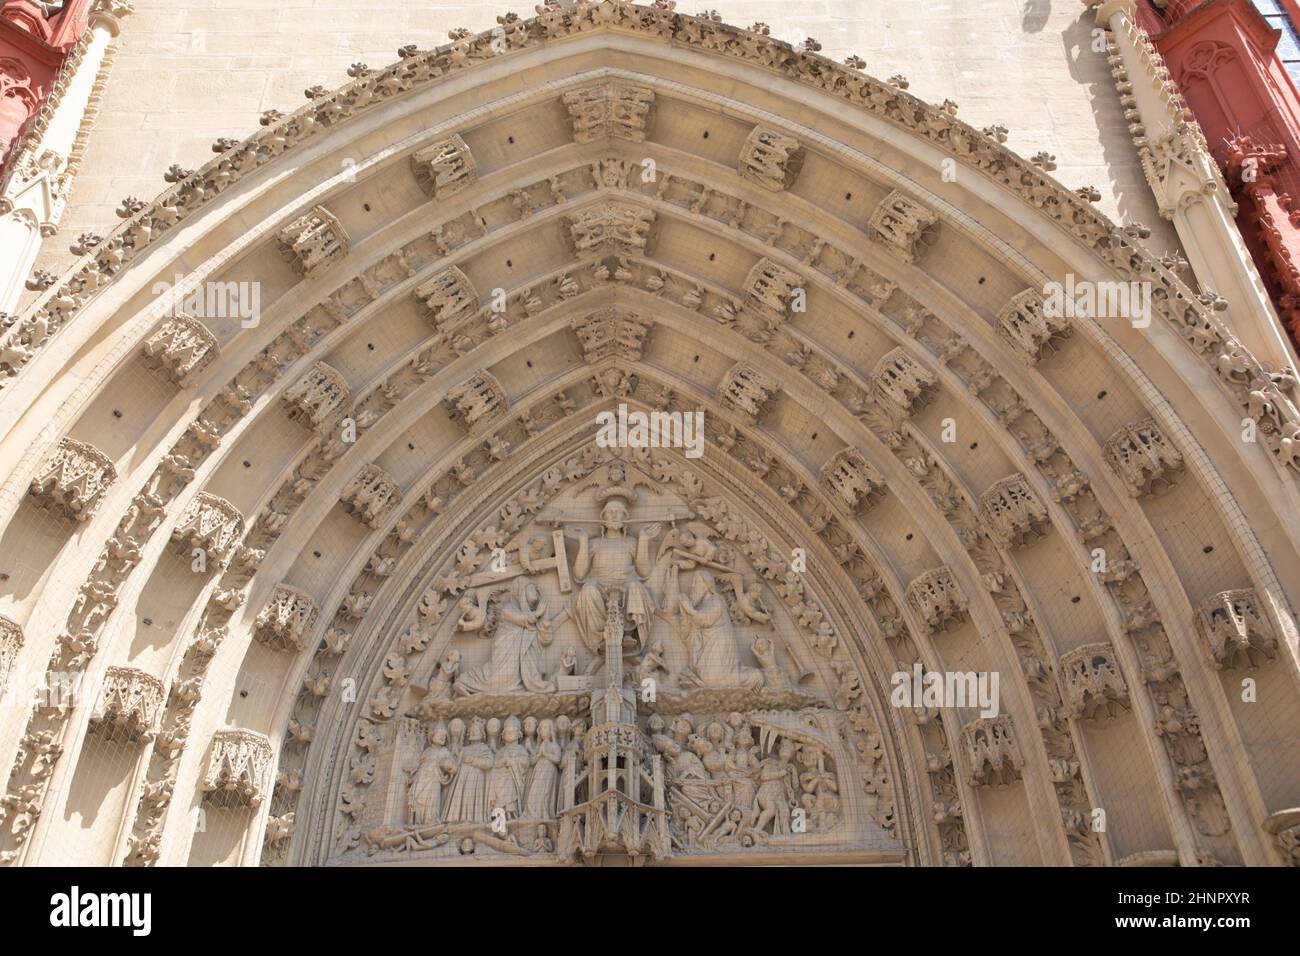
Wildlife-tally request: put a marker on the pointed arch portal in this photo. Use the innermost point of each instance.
(305, 490)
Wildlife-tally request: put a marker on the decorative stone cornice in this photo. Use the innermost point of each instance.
(1013, 513)
(130, 705)
(610, 110)
(71, 481)
(313, 242)
(211, 524)
(450, 298)
(902, 383)
(238, 772)
(853, 480)
(478, 401)
(937, 598)
(1236, 632)
(1025, 323)
(1093, 683)
(371, 495)
(445, 167)
(611, 227)
(1144, 458)
(286, 621)
(180, 349)
(316, 398)
(903, 226)
(746, 391)
(771, 159)
(992, 752)
(611, 333)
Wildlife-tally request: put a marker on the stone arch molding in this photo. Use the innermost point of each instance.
(462, 258)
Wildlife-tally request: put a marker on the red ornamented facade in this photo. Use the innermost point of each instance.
(1223, 54)
(35, 39)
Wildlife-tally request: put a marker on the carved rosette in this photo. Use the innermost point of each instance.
(180, 349)
(313, 242)
(770, 288)
(1144, 458)
(11, 642)
(239, 767)
(72, 480)
(1025, 323)
(371, 495)
(478, 401)
(1094, 687)
(611, 333)
(993, 756)
(611, 228)
(610, 110)
(1284, 828)
(315, 398)
(903, 226)
(210, 523)
(936, 597)
(287, 619)
(746, 391)
(771, 159)
(449, 297)
(853, 480)
(1235, 631)
(902, 383)
(1014, 515)
(130, 705)
(444, 168)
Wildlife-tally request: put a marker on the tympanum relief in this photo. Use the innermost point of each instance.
(616, 678)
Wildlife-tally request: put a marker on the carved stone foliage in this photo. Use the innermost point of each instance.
(71, 481)
(903, 225)
(993, 756)
(771, 159)
(180, 349)
(238, 772)
(611, 228)
(286, 621)
(1235, 630)
(853, 479)
(611, 333)
(1014, 515)
(901, 382)
(449, 296)
(770, 290)
(936, 597)
(1094, 686)
(746, 390)
(314, 242)
(130, 705)
(11, 641)
(1025, 323)
(1146, 460)
(612, 110)
(1284, 827)
(317, 397)
(371, 495)
(211, 524)
(478, 401)
(444, 168)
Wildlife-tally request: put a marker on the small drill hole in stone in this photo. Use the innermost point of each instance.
(1207, 549)
(117, 413)
(247, 463)
(243, 693)
(697, 358)
(366, 206)
(982, 280)
(712, 256)
(529, 363)
(410, 446)
(1101, 394)
(814, 436)
(852, 333)
(848, 196)
(1075, 599)
(706, 134)
(148, 622)
(910, 536)
(509, 264)
(974, 445)
(510, 140)
(315, 554)
(370, 346)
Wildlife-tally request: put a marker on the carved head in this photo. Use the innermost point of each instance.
(614, 515)
(476, 730)
(530, 726)
(546, 729)
(438, 734)
(512, 732)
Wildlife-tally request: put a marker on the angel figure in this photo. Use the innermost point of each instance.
(522, 629)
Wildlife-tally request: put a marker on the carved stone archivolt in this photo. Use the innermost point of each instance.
(771, 289)
(611, 110)
(444, 168)
(992, 753)
(318, 398)
(285, 622)
(611, 228)
(180, 349)
(1014, 514)
(478, 401)
(314, 242)
(1026, 323)
(210, 524)
(904, 226)
(449, 296)
(1235, 630)
(771, 159)
(937, 598)
(1094, 685)
(72, 480)
(371, 495)
(1144, 458)
(238, 770)
(853, 479)
(130, 705)
(611, 333)
(747, 391)
(902, 382)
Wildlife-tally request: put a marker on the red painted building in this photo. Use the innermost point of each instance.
(1233, 61)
